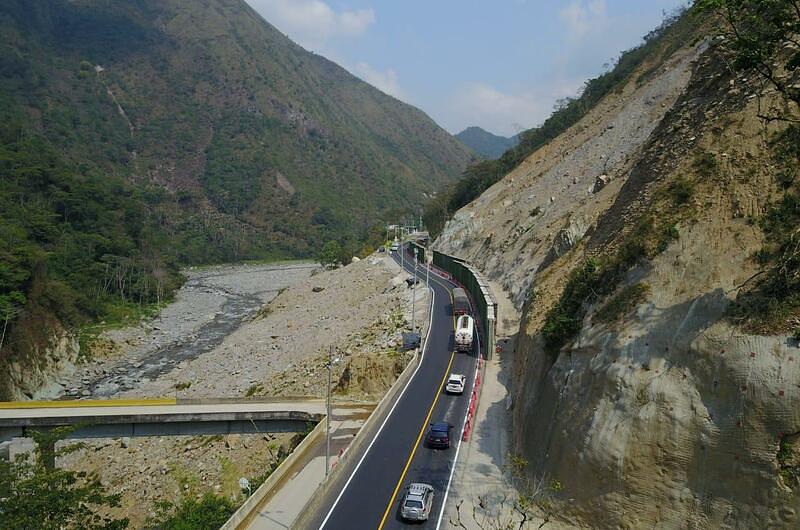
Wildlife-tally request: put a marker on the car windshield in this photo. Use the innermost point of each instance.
(413, 504)
(455, 380)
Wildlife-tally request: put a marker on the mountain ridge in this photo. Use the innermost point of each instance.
(631, 241)
(217, 102)
(485, 143)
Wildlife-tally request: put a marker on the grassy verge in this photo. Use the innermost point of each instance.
(208, 511)
(117, 315)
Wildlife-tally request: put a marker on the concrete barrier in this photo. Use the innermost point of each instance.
(247, 510)
(364, 436)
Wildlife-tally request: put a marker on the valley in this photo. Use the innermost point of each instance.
(243, 286)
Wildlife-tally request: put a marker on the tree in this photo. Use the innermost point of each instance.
(764, 35)
(329, 256)
(35, 494)
(10, 306)
(208, 513)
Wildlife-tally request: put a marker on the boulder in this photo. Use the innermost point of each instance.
(600, 183)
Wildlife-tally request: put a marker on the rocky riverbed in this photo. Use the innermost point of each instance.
(213, 303)
(362, 308)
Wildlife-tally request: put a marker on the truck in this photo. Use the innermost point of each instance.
(465, 327)
(460, 302)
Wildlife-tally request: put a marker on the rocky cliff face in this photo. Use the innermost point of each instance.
(34, 376)
(548, 202)
(659, 411)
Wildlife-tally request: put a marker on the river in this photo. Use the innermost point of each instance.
(211, 305)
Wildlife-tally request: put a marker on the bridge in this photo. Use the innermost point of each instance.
(158, 417)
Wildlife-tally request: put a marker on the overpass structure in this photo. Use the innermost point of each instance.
(166, 417)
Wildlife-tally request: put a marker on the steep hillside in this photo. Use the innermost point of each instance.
(138, 136)
(649, 249)
(655, 47)
(484, 143)
(264, 149)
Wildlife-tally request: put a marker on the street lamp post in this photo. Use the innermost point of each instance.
(328, 417)
(414, 292)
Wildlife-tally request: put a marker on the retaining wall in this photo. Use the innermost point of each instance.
(475, 285)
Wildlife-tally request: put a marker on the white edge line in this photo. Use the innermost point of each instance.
(460, 439)
(377, 434)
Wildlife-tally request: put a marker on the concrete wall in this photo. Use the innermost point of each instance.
(250, 507)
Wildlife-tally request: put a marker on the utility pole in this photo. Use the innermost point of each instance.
(428, 259)
(328, 418)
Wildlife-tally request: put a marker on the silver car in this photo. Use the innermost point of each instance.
(417, 502)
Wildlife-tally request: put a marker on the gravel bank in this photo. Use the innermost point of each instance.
(212, 304)
(359, 308)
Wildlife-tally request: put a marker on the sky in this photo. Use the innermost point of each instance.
(498, 64)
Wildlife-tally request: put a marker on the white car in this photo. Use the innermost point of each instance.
(455, 384)
(417, 502)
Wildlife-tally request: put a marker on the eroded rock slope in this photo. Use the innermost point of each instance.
(658, 411)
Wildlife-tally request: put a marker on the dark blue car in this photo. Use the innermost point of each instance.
(439, 435)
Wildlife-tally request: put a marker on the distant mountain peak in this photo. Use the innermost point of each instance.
(486, 144)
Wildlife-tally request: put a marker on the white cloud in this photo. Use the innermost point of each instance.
(581, 16)
(311, 23)
(502, 112)
(385, 81)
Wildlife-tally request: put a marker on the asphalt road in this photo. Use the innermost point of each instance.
(372, 488)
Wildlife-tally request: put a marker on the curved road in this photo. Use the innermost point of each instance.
(370, 490)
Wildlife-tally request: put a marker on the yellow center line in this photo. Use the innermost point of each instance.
(427, 418)
(416, 445)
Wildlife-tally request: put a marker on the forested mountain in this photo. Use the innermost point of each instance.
(139, 135)
(262, 147)
(486, 144)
